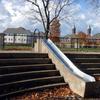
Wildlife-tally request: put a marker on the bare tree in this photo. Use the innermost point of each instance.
(46, 11)
(95, 3)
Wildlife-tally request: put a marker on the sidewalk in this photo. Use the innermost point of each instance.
(15, 51)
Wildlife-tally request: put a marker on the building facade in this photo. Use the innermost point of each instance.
(17, 35)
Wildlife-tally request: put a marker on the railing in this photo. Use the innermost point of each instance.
(78, 81)
(66, 61)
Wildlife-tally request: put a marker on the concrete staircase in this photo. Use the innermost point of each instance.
(90, 64)
(23, 72)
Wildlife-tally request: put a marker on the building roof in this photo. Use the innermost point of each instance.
(70, 36)
(19, 30)
(96, 36)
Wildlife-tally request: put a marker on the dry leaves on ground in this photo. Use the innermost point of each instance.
(49, 94)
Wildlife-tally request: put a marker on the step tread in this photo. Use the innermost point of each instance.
(34, 88)
(89, 63)
(18, 66)
(79, 61)
(85, 58)
(14, 80)
(41, 71)
(90, 69)
(24, 68)
(23, 55)
(86, 64)
(18, 59)
(28, 80)
(91, 72)
(96, 74)
(24, 61)
(28, 75)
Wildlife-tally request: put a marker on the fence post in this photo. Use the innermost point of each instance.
(14, 38)
(77, 44)
(32, 40)
(2, 41)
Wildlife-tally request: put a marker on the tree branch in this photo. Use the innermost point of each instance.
(32, 2)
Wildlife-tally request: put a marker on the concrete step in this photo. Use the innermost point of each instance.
(23, 72)
(82, 55)
(91, 70)
(27, 75)
(23, 61)
(23, 55)
(20, 85)
(25, 68)
(38, 88)
(88, 65)
(96, 75)
(86, 60)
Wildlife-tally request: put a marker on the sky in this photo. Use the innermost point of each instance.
(13, 14)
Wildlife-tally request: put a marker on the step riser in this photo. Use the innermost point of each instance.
(22, 55)
(29, 84)
(3, 96)
(79, 65)
(83, 55)
(91, 71)
(16, 77)
(23, 61)
(7, 70)
(39, 71)
(88, 63)
(86, 60)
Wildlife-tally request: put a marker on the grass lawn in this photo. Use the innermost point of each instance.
(81, 49)
(64, 49)
(17, 47)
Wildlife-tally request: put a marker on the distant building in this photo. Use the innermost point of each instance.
(81, 39)
(17, 35)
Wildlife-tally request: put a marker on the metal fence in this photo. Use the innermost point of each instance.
(18, 42)
(26, 42)
(78, 44)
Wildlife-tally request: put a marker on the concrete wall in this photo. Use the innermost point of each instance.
(76, 82)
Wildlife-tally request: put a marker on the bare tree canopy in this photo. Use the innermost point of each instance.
(45, 11)
(96, 3)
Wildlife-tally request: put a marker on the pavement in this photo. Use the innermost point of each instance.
(15, 51)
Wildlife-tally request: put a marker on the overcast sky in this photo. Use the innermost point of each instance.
(11, 16)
